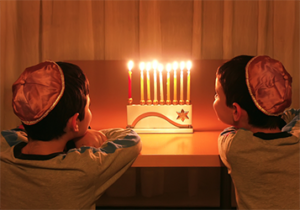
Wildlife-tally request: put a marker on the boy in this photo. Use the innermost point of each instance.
(52, 101)
(261, 155)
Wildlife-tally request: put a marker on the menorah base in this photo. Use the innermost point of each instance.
(169, 130)
(160, 118)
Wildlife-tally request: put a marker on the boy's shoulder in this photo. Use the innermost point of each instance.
(121, 143)
(13, 136)
(236, 141)
(233, 133)
(292, 119)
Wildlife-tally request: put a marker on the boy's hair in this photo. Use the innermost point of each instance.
(232, 77)
(72, 101)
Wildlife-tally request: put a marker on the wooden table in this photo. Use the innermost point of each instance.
(199, 149)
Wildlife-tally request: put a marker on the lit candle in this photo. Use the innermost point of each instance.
(175, 66)
(181, 101)
(130, 66)
(142, 67)
(168, 101)
(148, 67)
(154, 65)
(160, 68)
(188, 66)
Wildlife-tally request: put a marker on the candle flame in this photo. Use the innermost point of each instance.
(130, 65)
(160, 67)
(189, 65)
(142, 66)
(168, 67)
(175, 65)
(182, 64)
(154, 64)
(148, 67)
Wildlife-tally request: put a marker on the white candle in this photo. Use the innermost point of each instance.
(154, 65)
(175, 66)
(160, 68)
(168, 84)
(142, 67)
(148, 67)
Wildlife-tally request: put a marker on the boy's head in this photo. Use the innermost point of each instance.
(47, 95)
(258, 85)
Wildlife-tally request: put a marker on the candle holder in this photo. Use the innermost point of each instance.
(160, 116)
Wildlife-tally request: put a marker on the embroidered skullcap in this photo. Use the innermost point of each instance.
(269, 85)
(37, 91)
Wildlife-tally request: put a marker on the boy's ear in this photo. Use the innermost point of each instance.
(237, 112)
(73, 122)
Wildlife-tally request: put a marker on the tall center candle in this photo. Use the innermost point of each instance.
(160, 68)
(175, 66)
(142, 66)
(154, 65)
(130, 66)
(168, 101)
(149, 101)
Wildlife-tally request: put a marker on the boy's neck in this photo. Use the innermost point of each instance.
(264, 130)
(244, 124)
(35, 147)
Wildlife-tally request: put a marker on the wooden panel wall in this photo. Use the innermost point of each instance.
(34, 31)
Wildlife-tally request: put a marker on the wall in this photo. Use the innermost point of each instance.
(34, 31)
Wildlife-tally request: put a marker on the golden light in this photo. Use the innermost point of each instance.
(154, 64)
(142, 66)
(160, 67)
(175, 65)
(169, 67)
(130, 65)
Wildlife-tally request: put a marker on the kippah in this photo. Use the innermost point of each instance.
(269, 85)
(37, 91)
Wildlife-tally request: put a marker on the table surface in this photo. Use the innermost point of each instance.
(199, 149)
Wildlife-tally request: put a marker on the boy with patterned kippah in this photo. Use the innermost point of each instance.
(261, 150)
(52, 100)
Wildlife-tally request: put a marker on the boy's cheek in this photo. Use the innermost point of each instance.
(223, 115)
(91, 116)
(215, 106)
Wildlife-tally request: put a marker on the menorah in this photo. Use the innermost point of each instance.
(160, 116)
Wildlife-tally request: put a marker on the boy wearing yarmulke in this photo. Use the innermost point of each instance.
(52, 100)
(261, 149)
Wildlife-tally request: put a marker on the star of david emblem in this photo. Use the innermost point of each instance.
(182, 115)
